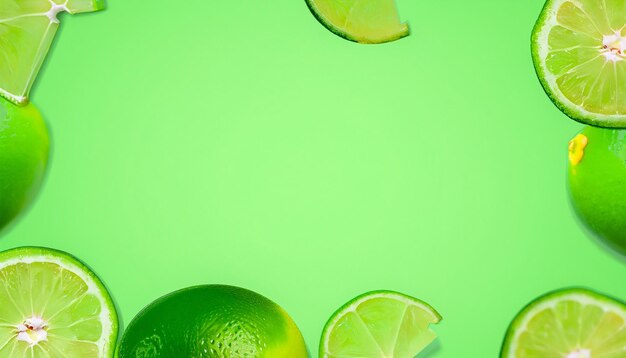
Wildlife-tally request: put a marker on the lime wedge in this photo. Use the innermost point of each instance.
(578, 49)
(379, 324)
(52, 305)
(27, 29)
(373, 21)
(572, 323)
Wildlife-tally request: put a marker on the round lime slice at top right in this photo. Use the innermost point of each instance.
(571, 323)
(578, 49)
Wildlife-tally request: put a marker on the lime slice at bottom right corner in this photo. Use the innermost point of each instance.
(379, 324)
(570, 323)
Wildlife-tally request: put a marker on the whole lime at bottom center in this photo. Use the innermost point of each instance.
(213, 321)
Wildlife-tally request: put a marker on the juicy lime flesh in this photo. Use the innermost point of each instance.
(585, 58)
(361, 21)
(27, 29)
(596, 176)
(384, 325)
(574, 326)
(213, 321)
(47, 310)
(24, 147)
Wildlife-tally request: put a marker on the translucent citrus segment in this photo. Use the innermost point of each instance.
(373, 21)
(27, 29)
(579, 54)
(379, 324)
(572, 323)
(53, 306)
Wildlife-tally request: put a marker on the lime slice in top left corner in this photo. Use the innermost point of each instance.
(27, 29)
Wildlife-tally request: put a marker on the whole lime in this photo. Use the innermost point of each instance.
(597, 183)
(24, 146)
(213, 321)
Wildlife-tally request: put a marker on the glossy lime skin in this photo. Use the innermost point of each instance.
(212, 321)
(597, 185)
(24, 147)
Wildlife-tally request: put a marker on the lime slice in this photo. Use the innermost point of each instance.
(572, 323)
(578, 50)
(51, 305)
(373, 21)
(27, 29)
(379, 324)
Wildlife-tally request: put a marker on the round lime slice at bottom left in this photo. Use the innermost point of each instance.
(52, 305)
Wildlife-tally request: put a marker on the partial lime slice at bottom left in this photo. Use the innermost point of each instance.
(379, 324)
(52, 305)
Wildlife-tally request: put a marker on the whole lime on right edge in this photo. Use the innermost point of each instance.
(213, 321)
(597, 183)
(24, 146)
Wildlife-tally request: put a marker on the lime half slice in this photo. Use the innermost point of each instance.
(372, 21)
(379, 324)
(27, 29)
(579, 53)
(51, 305)
(572, 323)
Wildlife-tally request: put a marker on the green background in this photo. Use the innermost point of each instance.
(240, 142)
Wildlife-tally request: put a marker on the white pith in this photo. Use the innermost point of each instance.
(609, 53)
(581, 298)
(93, 289)
(390, 295)
(613, 47)
(32, 331)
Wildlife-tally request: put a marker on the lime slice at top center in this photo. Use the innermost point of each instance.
(27, 29)
(364, 21)
(579, 51)
(573, 323)
(379, 324)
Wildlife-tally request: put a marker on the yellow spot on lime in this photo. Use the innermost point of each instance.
(577, 148)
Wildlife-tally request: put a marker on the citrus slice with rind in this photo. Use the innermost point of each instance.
(571, 323)
(372, 21)
(27, 29)
(52, 305)
(379, 324)
(578, 49)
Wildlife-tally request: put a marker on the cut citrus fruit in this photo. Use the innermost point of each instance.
(379, 324)
(374, 21)
(579, 53)
(52, 305)
(27, 29)
(571, 323)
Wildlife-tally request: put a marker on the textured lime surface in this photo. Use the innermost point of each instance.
(27, 29)
(379, 324)
(579, 54)
(52, 305)
(572, 323)
(597, 183)
(372, 21)
(24, 147)
(213, 321)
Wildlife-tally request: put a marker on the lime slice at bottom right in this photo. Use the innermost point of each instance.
(379, 324)
(571, 323)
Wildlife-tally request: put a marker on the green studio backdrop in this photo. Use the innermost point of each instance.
(240, 142)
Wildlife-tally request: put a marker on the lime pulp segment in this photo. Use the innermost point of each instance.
(27, 29)
(572, 323)
(579, 53)
(374, 21)
(53, 306)
(379, 324)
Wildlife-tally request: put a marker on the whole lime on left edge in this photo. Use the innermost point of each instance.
(597, 183)
(24, 146)
(213, 321)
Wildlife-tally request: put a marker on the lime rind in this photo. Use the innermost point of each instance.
(353, 304)
(313, 8)
(549, 300)
(108, 313)
(540, 49)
